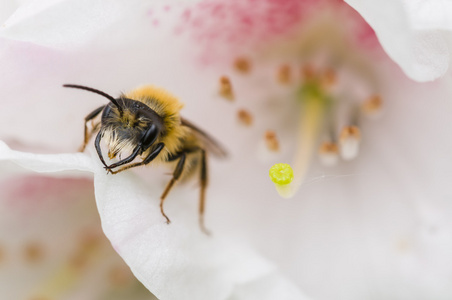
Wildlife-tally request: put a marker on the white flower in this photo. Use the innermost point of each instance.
(375, 227)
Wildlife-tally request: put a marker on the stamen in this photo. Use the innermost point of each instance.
(33, 252)
(308, 72)
(284, 75)
(245, 117)
(226, 88)
(372, 106)
(282, 176)
(329, 78)
(242, 65)
(314, 104)
(309, 127)
(271, 141)
(329, 154)
(119, 276)
(349, 141)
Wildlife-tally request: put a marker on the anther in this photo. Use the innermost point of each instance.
(226, 88)
(372, 106)
(284, 75)
(119, 276)
(349, 140)
(245, 117)
(88, 244)
(329, 78)
(242, 65)
(271, 140)
(33, 252)
(308, 72)
(329, 154)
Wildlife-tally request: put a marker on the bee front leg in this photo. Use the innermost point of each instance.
(176, 175)
(88, 134)
(202, 198)
(147, 160)
(98, 148)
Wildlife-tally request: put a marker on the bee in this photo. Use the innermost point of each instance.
(145, 123)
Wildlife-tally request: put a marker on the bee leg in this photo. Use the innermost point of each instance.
(87, 135)
(98, 148)
(176, 175)
(203, 181)
(147, 160)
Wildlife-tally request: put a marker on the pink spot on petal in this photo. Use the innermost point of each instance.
(219, 22)
(222, 26)
(30, 194)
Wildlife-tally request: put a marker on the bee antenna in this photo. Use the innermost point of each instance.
(113, 100)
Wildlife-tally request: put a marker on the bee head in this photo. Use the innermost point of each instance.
(130, 126)
(127, 125)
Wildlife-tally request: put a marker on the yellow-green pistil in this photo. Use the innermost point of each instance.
(281, 174)
(314, 104)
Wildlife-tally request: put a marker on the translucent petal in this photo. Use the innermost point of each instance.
(408, 31)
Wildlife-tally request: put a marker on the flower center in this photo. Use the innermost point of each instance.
(333, 101)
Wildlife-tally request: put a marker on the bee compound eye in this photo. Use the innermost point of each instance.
(149, 137)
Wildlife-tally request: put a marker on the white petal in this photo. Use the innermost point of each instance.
(433, 14)
(407, 36)
(177, 260)
(7, 7)
(62, 23)
(46, 162)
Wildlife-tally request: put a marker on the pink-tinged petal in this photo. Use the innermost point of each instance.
(409, 37)
(52, 246)
(353, 230)
(225, 29)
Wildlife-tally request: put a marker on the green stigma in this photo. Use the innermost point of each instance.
(281, 174)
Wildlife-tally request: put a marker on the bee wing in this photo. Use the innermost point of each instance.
(210, 143)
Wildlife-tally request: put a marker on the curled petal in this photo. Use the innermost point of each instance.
(408, 37)
(47, 163)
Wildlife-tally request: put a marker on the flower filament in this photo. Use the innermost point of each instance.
(320, 108)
